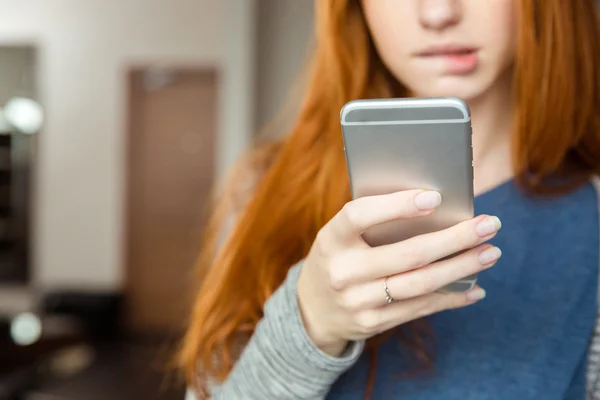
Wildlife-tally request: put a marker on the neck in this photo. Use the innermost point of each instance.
(492, 118)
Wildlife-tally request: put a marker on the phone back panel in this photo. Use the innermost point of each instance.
(401, 144)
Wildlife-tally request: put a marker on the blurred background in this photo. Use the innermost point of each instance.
(116, 119)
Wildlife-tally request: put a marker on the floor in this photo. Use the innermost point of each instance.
(118, 371)
(70, 365)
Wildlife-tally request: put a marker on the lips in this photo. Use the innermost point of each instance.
(455, 59)
(450, 50)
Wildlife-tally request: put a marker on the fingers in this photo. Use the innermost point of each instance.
(438, 275)
(421, 281)
(374, 321)
(427, 305)
(367, 264)
(425, 249)
(362, 213)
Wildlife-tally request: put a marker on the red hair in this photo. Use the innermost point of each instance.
(304, 183)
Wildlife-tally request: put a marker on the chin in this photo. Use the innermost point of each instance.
(465, 88)
(466, 94)
(463, 92)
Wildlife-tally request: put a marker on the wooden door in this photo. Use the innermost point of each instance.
(170, 172)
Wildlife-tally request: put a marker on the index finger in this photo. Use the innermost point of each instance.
(360, 214)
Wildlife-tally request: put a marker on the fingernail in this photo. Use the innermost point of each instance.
(490, 255)
(428, 200)
(488, 226)
(476, 295)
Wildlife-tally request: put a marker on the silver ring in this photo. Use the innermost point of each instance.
(388, 297)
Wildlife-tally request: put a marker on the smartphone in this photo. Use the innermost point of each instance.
(413, 143)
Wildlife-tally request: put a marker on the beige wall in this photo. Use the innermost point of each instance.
(285, 30)
(85, 48)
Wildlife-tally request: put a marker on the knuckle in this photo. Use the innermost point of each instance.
(351, 301)
(337, 272)
(413, 256)
(424, 311)
(467, 236)
(369, 322)
(321, 243)
(424, 286)
(346, 301)
(433, 305)
(352, 213)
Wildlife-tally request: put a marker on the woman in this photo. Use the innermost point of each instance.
(292, 294)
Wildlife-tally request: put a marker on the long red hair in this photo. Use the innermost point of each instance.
(303, 179)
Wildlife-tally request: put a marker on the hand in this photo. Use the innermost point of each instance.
(341, 285)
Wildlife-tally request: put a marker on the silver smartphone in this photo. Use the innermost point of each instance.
(402, 144)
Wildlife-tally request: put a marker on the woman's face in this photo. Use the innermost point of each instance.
(437, 48)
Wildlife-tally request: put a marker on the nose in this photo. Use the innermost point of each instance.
(439, 14)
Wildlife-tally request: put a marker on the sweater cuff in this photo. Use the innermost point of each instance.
(284, 307)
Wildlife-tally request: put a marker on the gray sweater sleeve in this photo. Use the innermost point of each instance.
(280, 361)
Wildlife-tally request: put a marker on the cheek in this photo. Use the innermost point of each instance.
(393, 48)
(503, 31)
(391, 28)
